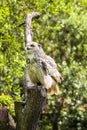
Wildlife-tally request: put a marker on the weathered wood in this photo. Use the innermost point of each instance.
(6, 120)
(28, 113)
(28, 28)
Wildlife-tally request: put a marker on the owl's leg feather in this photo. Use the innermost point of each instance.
(54, 90)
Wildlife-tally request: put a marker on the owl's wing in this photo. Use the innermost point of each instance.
(51, 61)
(50, 67)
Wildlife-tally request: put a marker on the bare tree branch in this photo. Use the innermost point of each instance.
(28, 113)
(28, 29)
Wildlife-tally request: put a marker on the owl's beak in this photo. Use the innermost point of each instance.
(27, 48)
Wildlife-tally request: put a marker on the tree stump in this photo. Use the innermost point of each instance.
(28, 113)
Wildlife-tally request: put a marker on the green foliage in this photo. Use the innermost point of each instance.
(62, 30)
(7, 100)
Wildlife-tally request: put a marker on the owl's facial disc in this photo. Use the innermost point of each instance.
(30, 47)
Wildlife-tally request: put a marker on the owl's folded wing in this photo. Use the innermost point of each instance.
(50, 68)
(51, 61)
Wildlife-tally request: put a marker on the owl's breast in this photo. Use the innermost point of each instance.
(36, 73)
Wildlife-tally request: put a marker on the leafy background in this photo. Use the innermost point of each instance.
(62, 31)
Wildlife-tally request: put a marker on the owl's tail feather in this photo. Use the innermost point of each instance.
(54, 90)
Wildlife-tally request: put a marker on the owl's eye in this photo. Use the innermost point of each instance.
(32, 45)
(39, 45)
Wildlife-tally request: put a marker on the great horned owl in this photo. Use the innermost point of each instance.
(42, 68)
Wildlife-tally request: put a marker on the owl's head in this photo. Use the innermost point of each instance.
(34, 47)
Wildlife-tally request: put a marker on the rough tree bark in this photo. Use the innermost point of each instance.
(28, 113)
(6, 120)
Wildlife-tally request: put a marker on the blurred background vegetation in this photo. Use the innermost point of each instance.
(62, 31)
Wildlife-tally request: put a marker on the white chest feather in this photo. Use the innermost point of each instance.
(31, 56)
